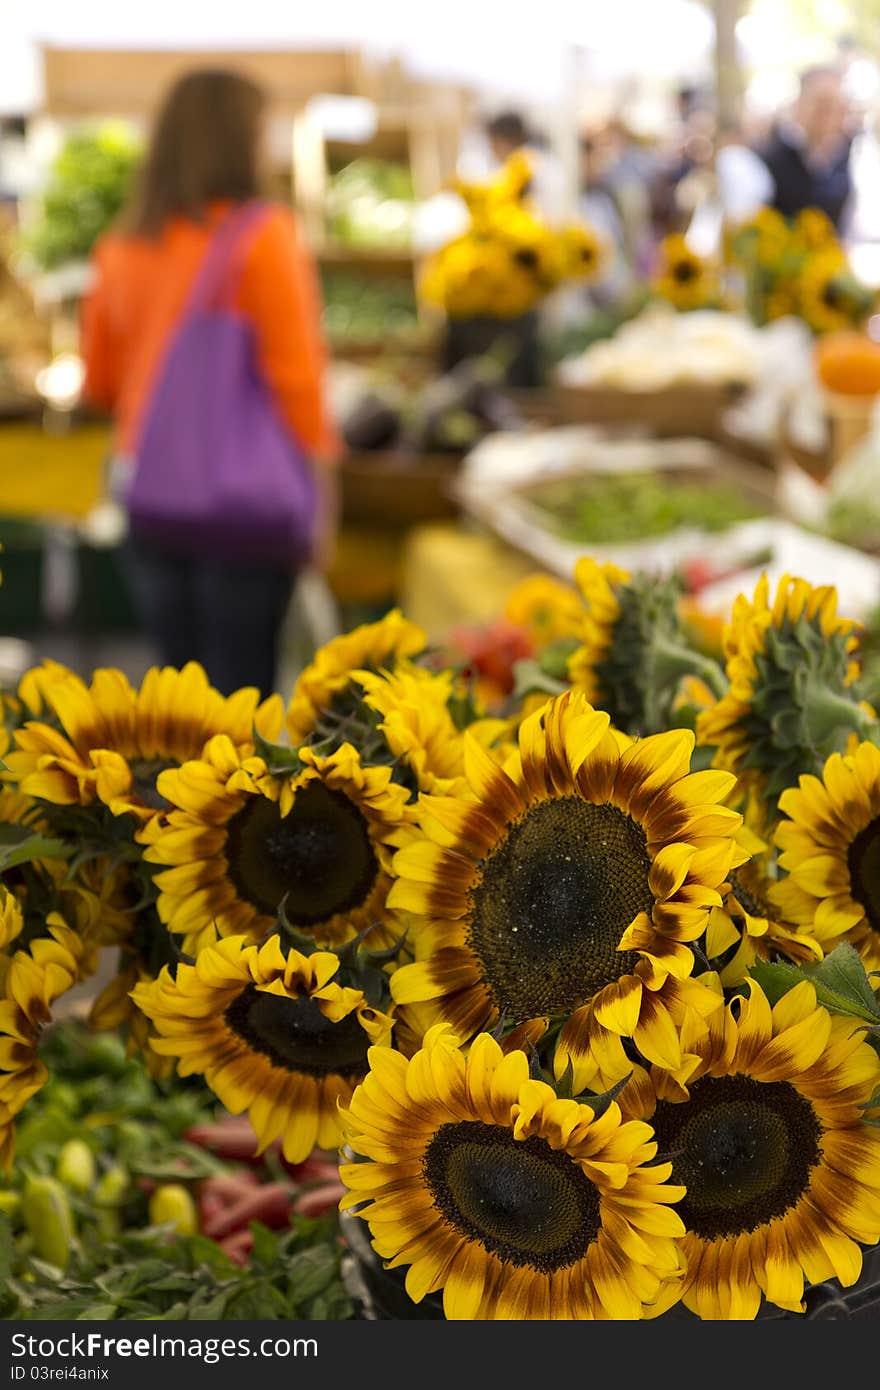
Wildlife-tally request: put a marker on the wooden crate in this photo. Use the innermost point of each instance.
(675, 412)
(393, 490)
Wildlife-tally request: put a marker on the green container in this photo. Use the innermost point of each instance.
(21, 563)
(104, 602)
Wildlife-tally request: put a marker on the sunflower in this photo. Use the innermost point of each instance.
(517, 1204)
(770, 1140)
(414, 709)
(112, 741)
(35, 978)
(829, 840)
(830, 296)
(115, 1008)
(545, 608)
(792, 699)
(239, 843)
(576, 874)
(329, 678)
(633, 652)
(814, 229)
(273, 1032)
(765, 238)
(684, 279)
(582, 252)
(749, 926)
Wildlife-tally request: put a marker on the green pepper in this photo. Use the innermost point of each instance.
(48, 1218)
(76, 1166)
(172, 1203)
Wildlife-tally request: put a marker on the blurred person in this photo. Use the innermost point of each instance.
(599, 208)
(198, 203)
(507, 133)
(807, 156)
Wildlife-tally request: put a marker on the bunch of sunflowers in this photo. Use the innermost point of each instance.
(508, 258)
(685, 279)
(581, 986)
(797, 267)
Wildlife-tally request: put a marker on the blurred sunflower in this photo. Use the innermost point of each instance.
(517, 1204)
(240, 843)
(814, 230)
(582, 252)
(545, 608)
(115, 1008)
(830, 297)
(792, 698)
(329, 679)
(35, 979)
(829, 840)
(770, 1139)
(413, 706)
(273, 1032)
(576, 874)
(764, 238)
(684, 279)
(111, 741)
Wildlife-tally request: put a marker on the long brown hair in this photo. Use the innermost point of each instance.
(204, 147)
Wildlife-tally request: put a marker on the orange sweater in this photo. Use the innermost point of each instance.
(140, 290)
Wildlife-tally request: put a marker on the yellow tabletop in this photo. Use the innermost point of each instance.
(57, 476)
(452, 576)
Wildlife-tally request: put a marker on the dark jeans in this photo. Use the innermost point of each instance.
(227, 617)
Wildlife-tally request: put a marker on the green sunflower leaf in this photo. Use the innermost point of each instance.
(840, 983)
(19, 844)
(842, 972)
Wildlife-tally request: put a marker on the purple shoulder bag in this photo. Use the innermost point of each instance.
(217, 469)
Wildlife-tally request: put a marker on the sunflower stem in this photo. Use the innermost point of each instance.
(826, 712)
(673, 660)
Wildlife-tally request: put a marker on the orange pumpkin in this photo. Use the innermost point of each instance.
(848, 363)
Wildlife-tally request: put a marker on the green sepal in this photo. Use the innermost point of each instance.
(280, 759)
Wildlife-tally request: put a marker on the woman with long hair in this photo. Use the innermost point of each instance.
(197, 213)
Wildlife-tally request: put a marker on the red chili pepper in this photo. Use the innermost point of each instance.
(269, 1204)
(238, 1246)
(233, 1138)
(318, 1200)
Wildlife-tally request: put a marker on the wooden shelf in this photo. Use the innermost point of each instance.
(369, 260)
(128, 82)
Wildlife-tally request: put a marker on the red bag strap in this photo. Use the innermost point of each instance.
(217, 280)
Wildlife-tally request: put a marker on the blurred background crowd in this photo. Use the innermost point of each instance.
(491, 252)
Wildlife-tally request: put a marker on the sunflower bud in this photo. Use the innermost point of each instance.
(172, 1204)
(76, 1166)
(47, 1215)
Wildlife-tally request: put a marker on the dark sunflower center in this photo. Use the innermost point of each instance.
(552, 903)
(864, 871)
(295, 1035)
(743, 1148)
(144, 774)
(524, 1201)
(684, 272)
(526, 257)
(747, 900)
(318, 857)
